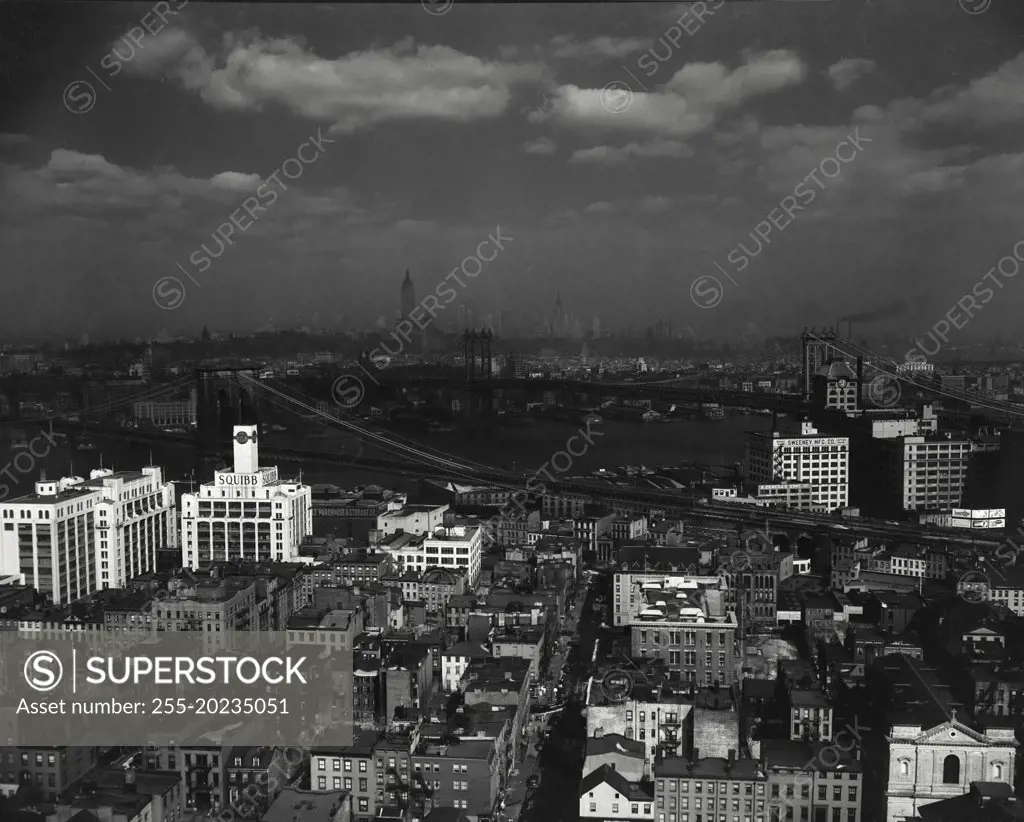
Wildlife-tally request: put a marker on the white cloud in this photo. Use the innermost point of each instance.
(90, 182)
(619, 154)
(690, 103)
(597, 48)
(236, 182)
(357, 90)
(600, 207)
(848, 71)
(542, 145)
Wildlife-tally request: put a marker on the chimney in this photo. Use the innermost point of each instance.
(696, 755)
(129, 780)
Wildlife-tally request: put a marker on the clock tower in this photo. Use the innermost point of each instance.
(247, 455)
(836, 387)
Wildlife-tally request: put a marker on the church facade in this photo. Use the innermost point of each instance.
(931, 764)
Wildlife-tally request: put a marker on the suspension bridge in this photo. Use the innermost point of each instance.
(228, 396)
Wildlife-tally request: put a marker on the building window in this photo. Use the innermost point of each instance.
(904, 768)
(951, 770)
(997, 770)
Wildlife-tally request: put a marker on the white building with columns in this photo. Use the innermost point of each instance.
(246, 513)
(75, 536)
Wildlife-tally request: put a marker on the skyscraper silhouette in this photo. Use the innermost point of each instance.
(408, 300)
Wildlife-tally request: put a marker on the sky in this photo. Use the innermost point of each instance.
(627, 150)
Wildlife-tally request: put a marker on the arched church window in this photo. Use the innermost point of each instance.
(951, 770)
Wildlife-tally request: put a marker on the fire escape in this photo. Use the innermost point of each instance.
(413, 795)
(986, 701)
(671, 729)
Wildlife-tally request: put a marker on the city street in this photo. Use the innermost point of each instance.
(561, 759)
(518, 796)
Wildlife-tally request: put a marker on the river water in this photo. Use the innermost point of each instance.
(522, 449)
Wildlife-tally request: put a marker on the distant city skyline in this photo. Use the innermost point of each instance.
(428, 132)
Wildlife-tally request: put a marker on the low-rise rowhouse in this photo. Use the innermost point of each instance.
(625, 756)
(434, 587)
(456, 660)
(526, 642)
(293, 803)
(51, 769)
(815, 780)
(685, 789)
(350, 769)
(653, 715)
(505, 683)
(119, 793)
(464, 774)
(606, 796)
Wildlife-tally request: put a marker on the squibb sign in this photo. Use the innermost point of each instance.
(240, 480)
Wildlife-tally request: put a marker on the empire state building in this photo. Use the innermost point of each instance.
(408, 299)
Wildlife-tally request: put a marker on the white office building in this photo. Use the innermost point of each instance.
(48, 539)
(458, 547)
(134, 518)
(628, 598)
(805, 471)
(73, 536)
(167, 412)
(927, 473)
(247, 513)
(411, 519)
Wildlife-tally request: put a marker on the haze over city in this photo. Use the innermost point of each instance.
(438, 129)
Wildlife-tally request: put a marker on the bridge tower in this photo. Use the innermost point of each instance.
(223, 400)
(816, 351)
(10, 387)
(477, 345)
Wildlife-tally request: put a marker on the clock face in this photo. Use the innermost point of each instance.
(242, 438)
(842, 383)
